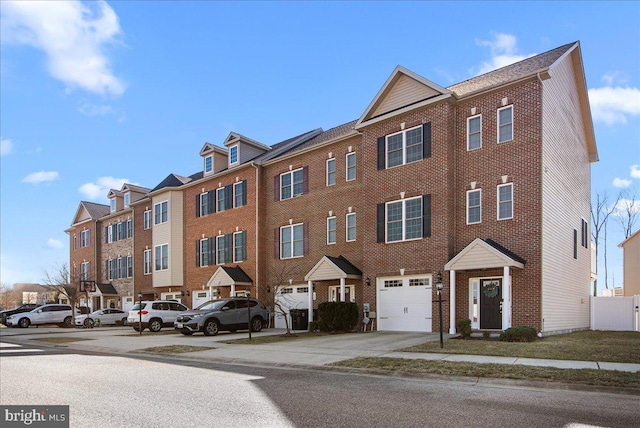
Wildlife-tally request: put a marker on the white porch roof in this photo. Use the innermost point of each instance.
(480, 254)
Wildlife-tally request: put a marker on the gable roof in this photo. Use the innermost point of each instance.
(481, 254)
(208, 148)
(107, 289)
(333, 268)
(234, 137)
(90, 211)
(227, 275)
(127, 187)
(173, 180)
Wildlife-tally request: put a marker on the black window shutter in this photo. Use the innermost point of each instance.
(305, 238)
(197, 253)
(276, 188)
(228, 196)
(276, 243)
(575, 244)
(106, 234)
(381, 153)
(211, 201)
(426, 140)
(426, 216)
(380, 222)
(198, 205)
(106, 270)
(305, 180)
(244, 248)
(228, 247)
(212, 251)
(243, 186)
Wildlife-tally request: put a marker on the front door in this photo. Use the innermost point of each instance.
(334, 293)
(491, 304)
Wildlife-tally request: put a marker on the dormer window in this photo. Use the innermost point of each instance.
(127, 200)
(233, 155)
(208, 164)
(112, 204)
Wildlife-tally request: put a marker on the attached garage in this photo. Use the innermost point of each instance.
(404, 303)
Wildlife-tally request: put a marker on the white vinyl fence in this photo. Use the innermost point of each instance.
(615, 313)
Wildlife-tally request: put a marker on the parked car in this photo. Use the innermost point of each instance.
(45, 314)
(155, 314)
(222, 315)
(102, 317)
(25, 307)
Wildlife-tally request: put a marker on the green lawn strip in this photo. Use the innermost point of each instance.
(500, 371)
(61, 339)
(174, 349)
(611, 346)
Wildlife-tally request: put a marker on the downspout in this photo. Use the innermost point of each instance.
(257, 230)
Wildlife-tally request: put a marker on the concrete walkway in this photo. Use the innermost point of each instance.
(314, 351)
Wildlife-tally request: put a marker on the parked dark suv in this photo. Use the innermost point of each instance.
(222, 314)
(25, 307)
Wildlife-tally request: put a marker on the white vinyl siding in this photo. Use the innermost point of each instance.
(171, 233)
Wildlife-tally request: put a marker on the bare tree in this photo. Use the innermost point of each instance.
(280, 281)
(628, 211)
(60, 281)
(9, 298)
(600, 213)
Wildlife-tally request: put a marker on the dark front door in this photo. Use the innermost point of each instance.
(490, 304)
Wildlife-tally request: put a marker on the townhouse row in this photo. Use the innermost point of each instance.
(483, 185)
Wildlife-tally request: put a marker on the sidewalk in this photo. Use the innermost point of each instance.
(316, 351)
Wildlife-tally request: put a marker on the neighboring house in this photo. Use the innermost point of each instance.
(34, 293)
(631, 264)
(488, 179)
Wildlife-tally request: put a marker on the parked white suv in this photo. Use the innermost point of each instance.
(154, 314)
(45, 314)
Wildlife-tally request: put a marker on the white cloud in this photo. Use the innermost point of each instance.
(6, 147)
(72, 35)
(41, 177)
(101, 187)
(621, 182)
(96, 110)
(503, 50)
(54, 243)
(614, 77)
(614, 104)
(635, 171)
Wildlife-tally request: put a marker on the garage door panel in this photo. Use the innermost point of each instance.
(404, 308)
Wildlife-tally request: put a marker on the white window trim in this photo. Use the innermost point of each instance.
(127, 200)
(155, 254)
(292, 184)
(513, 119)
(239, 183)
(218, 190)
(112, 205)
(335, 230)
(150, 265)
(335, 290)
(404, 221)
(237, 147)
(202, 254)
(469, 119)
(346, 164)
(498, 202)
(233, 246)
(404, 147)
(467, 205)
(327, 172)
(346, 233)
(291, 227)
(154, 212)
(208, 171)
(85, 237)
(218, 247)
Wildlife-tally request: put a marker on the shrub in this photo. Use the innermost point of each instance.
(520, 333)
(464, 328)
(337, 316)
(313, 326)
(486, 334)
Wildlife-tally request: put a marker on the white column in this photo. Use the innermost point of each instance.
(452, 302)
(233, 290)
(342, 289)
(506, 298)
(310, 285)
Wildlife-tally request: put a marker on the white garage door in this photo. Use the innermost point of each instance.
(198, 298)
(290, 298)
(404, 303)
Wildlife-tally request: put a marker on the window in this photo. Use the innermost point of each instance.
(585, 234)
(204, 203)
(575, 244)
(147, 219)
(161, 212)
(239, 194)
(84, 238)
(122, 231)
(122, 267)
(404, 147)
(220, 198)
(84, 271)
(162, 257)
(233, 155)
(204, 252)
(291, 184)
(351, 227)
(287, 290)
(404, 220)
(208, 164)
(474, 132)
(147, 262)
(292, 241)
(419, 282)
(390, 283)
(112, 205)
(505, 201)
(331, 172)
(113, 269)
(221, 250)
(127, 199)
(239, 246)
(331, 230)
(474, 206)
(505, 124)
(351, 166)
(129, 228)
(129, 266)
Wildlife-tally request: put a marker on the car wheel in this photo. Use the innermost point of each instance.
(88, 323)
(211, 328)
(68, 321)
(155, 326)
(24, 322)
(186, 332)
(136, 328)
(123, 321)
(256, 324)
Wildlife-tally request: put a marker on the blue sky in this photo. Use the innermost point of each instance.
(95, 94)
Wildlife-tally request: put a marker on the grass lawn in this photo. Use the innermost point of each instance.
(611, 346)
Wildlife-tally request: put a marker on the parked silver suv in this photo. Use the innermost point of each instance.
(222, 314)
(154, 314)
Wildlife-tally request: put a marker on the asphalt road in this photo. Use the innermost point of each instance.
(116, 391)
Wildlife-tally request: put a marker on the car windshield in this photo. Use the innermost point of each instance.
(98, 312)
(212, 305)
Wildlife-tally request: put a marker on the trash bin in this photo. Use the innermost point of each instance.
(299, 319)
